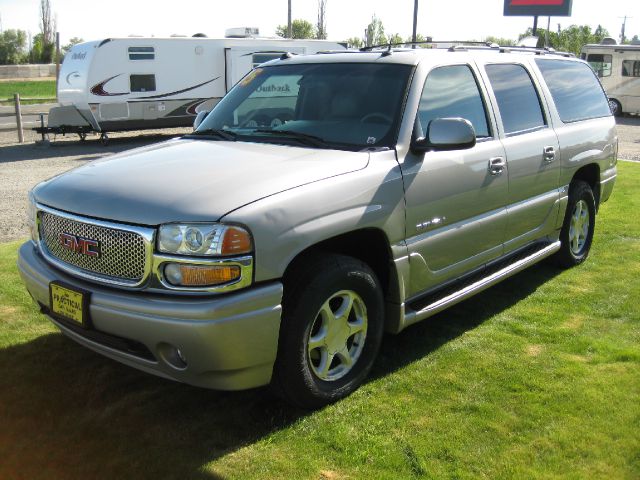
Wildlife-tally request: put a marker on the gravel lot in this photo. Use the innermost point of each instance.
(24, 165)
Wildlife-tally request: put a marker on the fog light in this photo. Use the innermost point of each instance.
(182, 275)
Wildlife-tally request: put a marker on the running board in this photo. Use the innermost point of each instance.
(467, 290)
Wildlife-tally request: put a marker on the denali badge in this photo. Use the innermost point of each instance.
(85, 246)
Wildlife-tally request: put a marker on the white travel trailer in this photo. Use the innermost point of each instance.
(618, 67)
(138, 83)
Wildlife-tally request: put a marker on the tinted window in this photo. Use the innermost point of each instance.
(141, 53)
(631, 68)
(259, 58)
(575, 89)
(453, 92)
(600, 63)
(142, 83)
(517, 98)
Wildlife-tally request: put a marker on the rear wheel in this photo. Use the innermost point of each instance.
(331, 330)
(616, 108)
(578, 227)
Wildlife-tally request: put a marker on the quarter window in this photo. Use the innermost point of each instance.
(518, 100)
(575, 89)
(453, 92)
(142, 83)
(631, 68)
(600, 63)
(141, 53)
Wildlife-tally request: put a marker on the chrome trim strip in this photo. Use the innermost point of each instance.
(412, 316)
(147, 235)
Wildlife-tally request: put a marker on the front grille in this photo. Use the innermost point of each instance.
(122, 252)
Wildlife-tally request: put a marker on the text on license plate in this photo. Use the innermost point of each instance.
(67, 303)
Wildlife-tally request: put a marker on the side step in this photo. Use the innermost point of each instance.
(424, 308)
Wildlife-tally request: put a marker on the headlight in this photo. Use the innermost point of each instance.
(32, 212)
(197, 239)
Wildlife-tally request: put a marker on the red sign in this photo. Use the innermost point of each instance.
(545, 8)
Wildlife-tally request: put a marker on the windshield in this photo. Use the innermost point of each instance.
(339, 105)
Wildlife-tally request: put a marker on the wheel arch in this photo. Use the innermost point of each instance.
(371, 246)
(591, 175)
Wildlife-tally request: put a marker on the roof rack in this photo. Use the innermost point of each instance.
(463, 46)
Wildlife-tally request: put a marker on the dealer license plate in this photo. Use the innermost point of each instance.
(69, 303)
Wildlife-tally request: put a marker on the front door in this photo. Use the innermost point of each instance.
(455, 200)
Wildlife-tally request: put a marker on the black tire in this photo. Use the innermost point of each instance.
(615, 107)
(326, 281)
(575, 247)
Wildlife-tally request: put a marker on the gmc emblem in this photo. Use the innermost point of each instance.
(84, 246)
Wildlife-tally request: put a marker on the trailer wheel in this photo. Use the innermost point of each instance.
(104, 139)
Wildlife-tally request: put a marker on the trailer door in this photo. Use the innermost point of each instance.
(240, 60)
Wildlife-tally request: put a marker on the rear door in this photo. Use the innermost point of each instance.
(532, 152)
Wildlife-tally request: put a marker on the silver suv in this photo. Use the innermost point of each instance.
(326, 199)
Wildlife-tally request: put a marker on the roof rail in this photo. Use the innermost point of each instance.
(463, 46)
(433, 43)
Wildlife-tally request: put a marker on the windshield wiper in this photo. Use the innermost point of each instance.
(303, 137)
(217, 132)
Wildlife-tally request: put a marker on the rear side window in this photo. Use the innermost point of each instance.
(575, 89)
(453, 92)
(517, 98)
(631, 68)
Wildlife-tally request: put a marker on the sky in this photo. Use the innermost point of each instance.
(440, 19)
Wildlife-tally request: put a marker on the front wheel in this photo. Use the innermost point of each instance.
(615, 107)
(331, 330)
(578, 227)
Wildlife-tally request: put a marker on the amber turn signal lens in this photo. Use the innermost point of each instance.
(236, 240)
(200, 275)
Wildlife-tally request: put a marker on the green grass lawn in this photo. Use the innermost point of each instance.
(538, 377)
(44, 89)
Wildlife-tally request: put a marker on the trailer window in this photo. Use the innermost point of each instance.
(260, 58)
(631, 68)
(142, 83)
(600, 63)
(141, 53)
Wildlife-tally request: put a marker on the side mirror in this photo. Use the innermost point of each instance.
(446, 134)
(199, 118)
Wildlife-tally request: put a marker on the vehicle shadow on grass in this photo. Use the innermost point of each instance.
(70, 413)
(90, 149)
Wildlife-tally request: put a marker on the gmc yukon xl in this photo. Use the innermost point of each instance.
(325, 200)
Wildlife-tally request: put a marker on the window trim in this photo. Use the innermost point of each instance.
(537, 89)
(139, 75)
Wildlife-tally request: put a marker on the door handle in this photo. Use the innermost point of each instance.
(549, 154)
(497, 165)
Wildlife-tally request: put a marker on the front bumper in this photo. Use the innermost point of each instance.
(229, 341)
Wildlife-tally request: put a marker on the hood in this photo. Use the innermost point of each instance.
(189, 179)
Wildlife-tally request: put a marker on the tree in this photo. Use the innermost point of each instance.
(12, 47)
(321, 29)
(354, 42)
(299, 29)
(395, 39)
(499, 41)
(73, 41)
(47, 29)
(571, 39)
(375, 33)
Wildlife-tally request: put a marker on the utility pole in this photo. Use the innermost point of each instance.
(414, 38)
(546, 34)
(624, 24)
(535, 25)
(289, 29)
